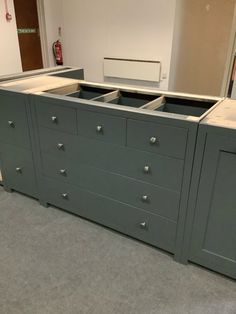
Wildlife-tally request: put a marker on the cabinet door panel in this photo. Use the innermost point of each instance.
(214, 230)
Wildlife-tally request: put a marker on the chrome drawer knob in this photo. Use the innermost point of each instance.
(153, 140)
(60, 146)
(54, 119)
(143, 225)
(11, 124)
(62, 171)
(145, 198)
(99, 128)
(146, 169)
(64, 195)
(18, 170)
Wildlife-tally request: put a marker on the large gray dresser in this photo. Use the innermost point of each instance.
(122, 158)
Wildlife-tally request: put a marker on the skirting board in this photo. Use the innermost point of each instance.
(132, 69)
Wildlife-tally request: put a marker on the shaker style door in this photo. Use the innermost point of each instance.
(213, 241)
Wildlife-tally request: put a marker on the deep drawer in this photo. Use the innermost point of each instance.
(102, 127)
(136, 193)
(162, 170)
(139, 224)
(57, 117)
(157, 138)
(18, 169)
(13, 121)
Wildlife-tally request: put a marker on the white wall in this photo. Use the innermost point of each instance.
(202, 33)
(10, 61)
(117, 28)
(53, 20)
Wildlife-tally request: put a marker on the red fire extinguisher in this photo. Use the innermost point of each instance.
(57, 51)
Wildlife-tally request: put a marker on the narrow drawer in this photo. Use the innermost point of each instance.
(57, 117)
(157, 138)
(137, 223)
(102, 127)
(18, 169)
(162, 170)
(13, 121)
(146, 196)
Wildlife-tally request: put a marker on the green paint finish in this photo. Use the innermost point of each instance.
(157, 231)
(214, 233)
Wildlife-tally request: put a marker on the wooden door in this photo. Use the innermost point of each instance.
(214, 230)
(28, 34)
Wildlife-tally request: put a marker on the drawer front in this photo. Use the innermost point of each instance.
(13, 121)
(102, 127)
(157, 138)
(162, 170)
(57, 117)
(18, 169)
(147, 227)
(146, 196)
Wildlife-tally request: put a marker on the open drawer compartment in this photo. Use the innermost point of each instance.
(81, 91)
(183, 106)
(125, 98)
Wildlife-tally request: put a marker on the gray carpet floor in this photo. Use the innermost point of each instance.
(54, 262)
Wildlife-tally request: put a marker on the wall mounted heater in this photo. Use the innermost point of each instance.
(132, 69)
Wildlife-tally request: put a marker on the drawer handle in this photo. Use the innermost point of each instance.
(143, 225)
(145, 198)
(54, 119)
(64, 196)
(99, 128)
(146, 169)
(18, 170)
(60, 146)
(153, 140)
(11, 124)
(63, 172)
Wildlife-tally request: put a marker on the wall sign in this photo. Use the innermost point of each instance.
(27, 30)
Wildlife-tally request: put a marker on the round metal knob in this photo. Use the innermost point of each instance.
(64, 195)
(153, 140)
(54, 119)
(18, 169)
(143, 225)
(60, 146)
(144, 198)
(62, 171)
(11, 124)
(146, 169)
(99, 128)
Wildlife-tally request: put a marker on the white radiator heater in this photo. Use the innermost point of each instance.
(131, 69)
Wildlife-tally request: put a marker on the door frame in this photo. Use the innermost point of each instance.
(229, 58)
(43, 33)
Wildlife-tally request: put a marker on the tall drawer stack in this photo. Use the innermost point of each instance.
(122, 172)
(15, 144)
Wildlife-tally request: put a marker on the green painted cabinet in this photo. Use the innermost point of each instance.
(214, 229)
(17, 165)
(117, 161)
(210, 230)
